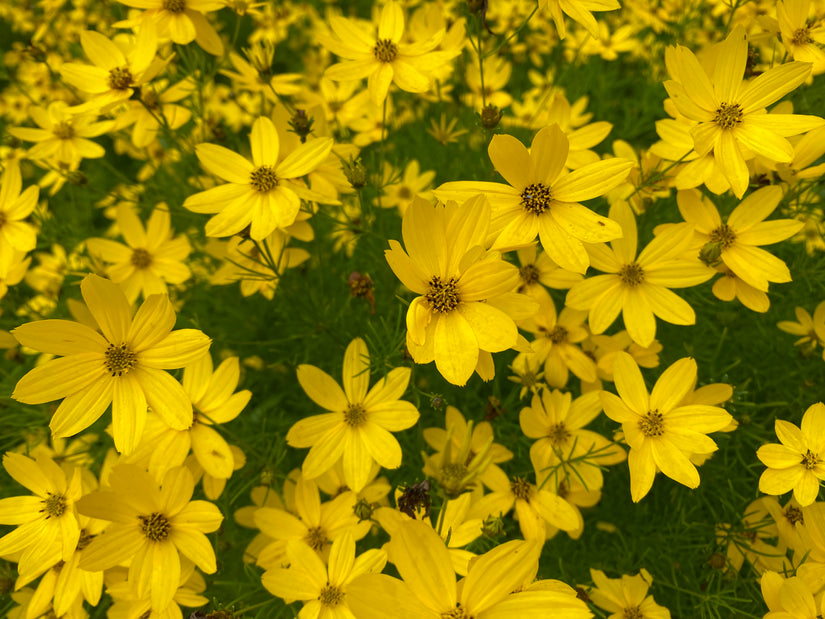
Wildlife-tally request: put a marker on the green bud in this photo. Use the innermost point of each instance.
(490, 116)
(355, 172)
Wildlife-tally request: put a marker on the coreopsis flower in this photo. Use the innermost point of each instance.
(736, 242)
(182, 21)
(638, 287)
(626, 597)
(801, 38)
(264, 193)
(158, 107)
(791, 597)
(360, 423)
(382, 57)
(541, 200)
(798, 463)
(256, 75)
(730, 113)
(750, 541)
(151, 527)
(399, 189)
(322, 588)
(114, 75)
(579, 11)
(661, 432)
(124, 366)
(15, 207)
(810, 329)
(538, 270)
(62, 137)
(47, 520)
(151, 258)
(13, 266)
(466, 309)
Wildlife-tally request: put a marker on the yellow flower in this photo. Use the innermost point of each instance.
(732, 123)
(797, 464)
(626, 597)
(158, 103)
(182, 21)
(151, 527)
(662, 434)
(399, 192)
(15, 207)
(123, 367)
(263, 193)
(359, 424)
(811, 329)
(801, 38)
(151, 256)
(579, 11)
(456, 320)
(541, 200)
(13, 266)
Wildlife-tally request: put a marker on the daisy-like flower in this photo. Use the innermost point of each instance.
(62, 135)
(263, 193)
(798, 463)
(736, 242)
(730, 113)
(466, 309)
(124, 366)
(15, 233)
(626, 597)
(182, 21)
(580, 12)
(801, 38)
(811, 330)
(151, 258)
(638, 287)
(400, 189)
(158, 103)
(541, 200)
(791, 598)
(360, 422)
(538, 270)
(151, 527)
(383, 58)
(661, 432)
(322, 588)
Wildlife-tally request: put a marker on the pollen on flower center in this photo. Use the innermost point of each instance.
(155, 526)
(652, 424)
(119, 359)
(442, 296)
(454, 471)
(723, 235)
(632, 274)
(174, 6)
(520, 488)
(355, 415)
(54, 505)
(316, 538)
(536, 198)
(529, 274)
(63, 130)
(801, 36)
(141, 258)
(558, 433)
(385, 50)
(120, 78)
(728, 115)
(457, 613)
(557, 335)
(263, 179)
(794, 515)
(149, 98)
(331, 596)
(632, 612)
(810, 460)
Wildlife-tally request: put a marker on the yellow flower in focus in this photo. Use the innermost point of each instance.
(151, 258)
(123, 367)
(182, 21)
(661, 432)
(360, 422)
(798, 463)
(263, 193)
(15, 207)
(626, 597)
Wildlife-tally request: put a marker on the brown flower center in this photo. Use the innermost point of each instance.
(529, 274)
(155, 526)
(385, 50)
(728, 115)
(119, 359)
(794, 515)
(632, 612)
(120, 78)
(724, 235)
(331, 596)
(652, 424)
(316, 538)
(536, 198)
(442, 296)
(520, 488)
(63, 130)
(558, 433)
(557, 335)
(355, 415)
(457, 613)
(141, 258)
(810, 460)
(632, 274)
(174, 6)
(54, 505)
(801, 36)
(263, 179)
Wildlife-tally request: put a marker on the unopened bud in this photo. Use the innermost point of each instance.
(490, 116)
(492, 527)
(362, 286)
(267, 477)
(301, 124)
(77, 178)
(437, 402)
(363, 509)
(355, 172)
(711, 253)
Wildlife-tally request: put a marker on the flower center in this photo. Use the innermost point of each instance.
(454, 471)
(457, 613)
(385, 50)
(557, 335)
(652, 424)
(119, 359)
(331, 596)
(120, 78)
(174, 6)
(54, 505)
(263, 178)
(63, 130)
(355, 415)
(723, 235)
(149, 98)
(632, 274)
(316, 538)
(405, 193)
(801, 36)
(632, 612)
(155, 526)
(558, 433)
(442, 296)
(810, 460)
(141, 258)
(520, 488)
(794, 515)
(536, 198)
(728, 115)
(529, 274)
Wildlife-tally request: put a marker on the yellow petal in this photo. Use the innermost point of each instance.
(224, 163)
(322, 388)
(109, 306)
(356, 376)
